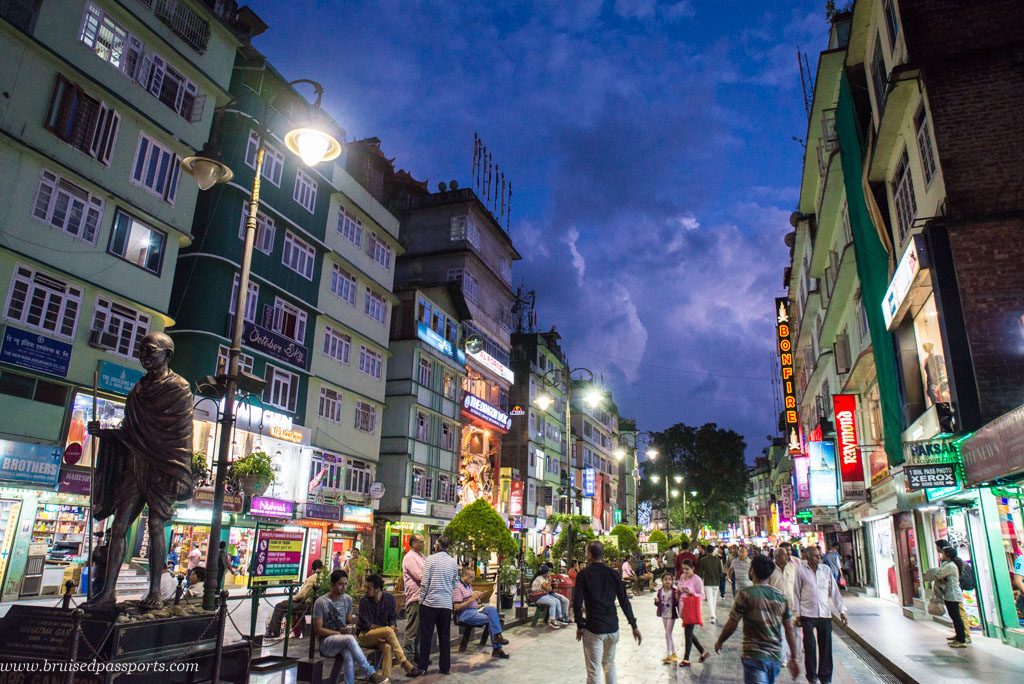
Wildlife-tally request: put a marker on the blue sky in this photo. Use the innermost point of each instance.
(650, 147)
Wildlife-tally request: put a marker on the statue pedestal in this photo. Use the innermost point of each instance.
(171, 650)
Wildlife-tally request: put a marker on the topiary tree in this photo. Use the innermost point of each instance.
(477, 530)
(661, 539)
(628, 543)
(574, 536)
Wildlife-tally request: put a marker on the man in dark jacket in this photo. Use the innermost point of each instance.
(709, 569)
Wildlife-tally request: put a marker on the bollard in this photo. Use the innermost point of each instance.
(179, 590)
(76, 633)
(256, 593)
(68, 588)
(288, 619)
(222, 616)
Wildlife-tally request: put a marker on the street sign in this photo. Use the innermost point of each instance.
(926, 476)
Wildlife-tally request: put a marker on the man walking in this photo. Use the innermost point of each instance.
(440, 575)
(817, 595)
(709, 569)
(670, 558)
(412, 575)
(685, 555)
(739, 571)
(766, 620)
(597, 621)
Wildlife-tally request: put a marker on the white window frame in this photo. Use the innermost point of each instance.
(54, 299)
(251, 299)
(133, 223)
(470, 285)
(273, 160)
(506, 271)
(149, 153)
(90, 129)
(298, 255)
(330, 405)
(376, 307)
(425, 370)
(129, 325)
(265, 230)
(370, 362)
(245, 361)
(925, 148)
(343, 284)
(448, 432)
(305, 190)
(378, 250)
(58, 200)
(278, 381)
(350, 227)
(365, 417)
(358, 476)
(337, 345)
(422, 427)
(281, 308)
(904, 201)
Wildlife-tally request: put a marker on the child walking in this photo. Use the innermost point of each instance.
(667, 603)
(691, 592)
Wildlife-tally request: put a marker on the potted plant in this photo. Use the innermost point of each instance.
(508, 578)
(200, 469)
(254, 473)
(476, 532)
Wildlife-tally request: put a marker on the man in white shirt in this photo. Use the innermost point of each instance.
(440, 575)
(817, 596)
(783, 578)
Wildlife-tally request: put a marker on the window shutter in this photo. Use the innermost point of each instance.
(198, 107)
(107, 150)
(156, 78)
(93, 214)
(102, 144)
(133, 57)
(172, 179)
(142, 73)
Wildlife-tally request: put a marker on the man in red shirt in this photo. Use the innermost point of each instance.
(684, 555)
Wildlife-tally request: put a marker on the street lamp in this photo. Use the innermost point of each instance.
(619, 454)
(678, 478)
(651, 453)
(313, 146)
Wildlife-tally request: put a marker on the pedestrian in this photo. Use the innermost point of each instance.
(336, 561)
(684, 555)
(767, 620)
(952, 594)
(733, 555)
(196, 584)
(173, 557)
(440, 575)
(597, 621)
(670, 558)
(783, 578)
(377, 627)
(544, 596)
(709, 568)
(834, 561)
(667, 604)
(691, 592)
(195, 556)
(300, 602)
(223, 565)
(941, 544)
(332, 624)
(467, 608)
(412, 575)
(358, 566)
(739, 571)
(817, 597)
(720, 554)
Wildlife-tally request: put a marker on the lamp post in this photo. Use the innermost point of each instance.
(313, 146)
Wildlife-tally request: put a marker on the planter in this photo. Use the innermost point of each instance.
(486, 589)
(507, 601)
(252, 485)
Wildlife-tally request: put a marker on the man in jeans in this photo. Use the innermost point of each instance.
(440, 575)
(766, 618)
(467, 607)
(332, 623)
(817, 594)
(412, 575)
(597, 622)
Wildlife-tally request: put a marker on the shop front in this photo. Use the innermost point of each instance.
(480, 454)
(190, 525)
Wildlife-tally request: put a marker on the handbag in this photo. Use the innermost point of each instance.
(692, 610)
(936, 606)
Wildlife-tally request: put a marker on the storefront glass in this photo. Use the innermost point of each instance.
(884, 549)
(1012, 532)
(63, 528)
(110, 413)
(10, 509)
(956, 532)
(930, 354)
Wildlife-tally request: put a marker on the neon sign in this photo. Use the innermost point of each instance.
(851, 466)
(784, 345)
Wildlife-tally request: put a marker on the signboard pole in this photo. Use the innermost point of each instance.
(92, 447)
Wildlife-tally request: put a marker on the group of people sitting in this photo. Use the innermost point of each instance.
(543, 594)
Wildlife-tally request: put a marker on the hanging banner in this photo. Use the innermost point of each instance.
(786, 502)
(784, 347)
(822, 473)
(850, 463)
(515, 501)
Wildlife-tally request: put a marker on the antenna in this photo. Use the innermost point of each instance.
(523, 312)
(493, 188)
(806, 81)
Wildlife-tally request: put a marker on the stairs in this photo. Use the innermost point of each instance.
(131, 582)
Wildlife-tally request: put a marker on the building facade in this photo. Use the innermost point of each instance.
(595, 475)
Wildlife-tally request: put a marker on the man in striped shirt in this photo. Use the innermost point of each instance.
(440, 575)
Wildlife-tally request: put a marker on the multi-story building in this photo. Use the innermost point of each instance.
(101, 101)
(595, 429)
(316, 319)
(420, 434)
(756, 524)
(629, 472)
(535, 449)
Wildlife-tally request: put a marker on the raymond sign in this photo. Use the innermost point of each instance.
(784, 346)
(851, 466)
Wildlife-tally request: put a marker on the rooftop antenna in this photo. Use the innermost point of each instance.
(806, 81)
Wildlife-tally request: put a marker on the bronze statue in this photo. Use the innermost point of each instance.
(144, 462)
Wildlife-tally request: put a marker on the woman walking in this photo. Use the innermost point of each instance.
(667, 603)
(948, 574)
(691, 590)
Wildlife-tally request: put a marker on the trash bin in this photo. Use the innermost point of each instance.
(561, 584)
(273, 669)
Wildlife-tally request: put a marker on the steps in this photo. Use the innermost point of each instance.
(131, 582)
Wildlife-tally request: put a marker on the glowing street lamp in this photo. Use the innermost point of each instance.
(675, 493)
(543, 401)
(592, 397)
(678, 478)
(619, 454)
(652, 453)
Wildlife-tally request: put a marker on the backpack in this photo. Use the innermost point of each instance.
(967, 582)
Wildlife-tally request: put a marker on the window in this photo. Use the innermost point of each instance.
(105, 36)
(879, 76)
(326, 472)
(351, 228)
(298, 255)
(506, 271)
(378, 250)
(156, 169)
(127, 324)
(449, 386)
(903, 197)
(337, 345)
(470, 286)
(134, 241)
(370, 362)
(463, 228)
(282, 389)
(330, 405)
(422, 483)
(244, 361)
(448, 436)
(265, 228)
(445, 489)
(892, 22)
(289, 320)
(375, 307)
(42, 301)
(67, 207)
(305, 191)
(185, 23)
(21, 14)
(425, 368)
(343, 284)
(273, 161)
(172, 88)
(845, 233)
(422, 427)
(366, 417)
(358, 476)
(85, 123)
(863, 315)
(924, 145)
(251, 298)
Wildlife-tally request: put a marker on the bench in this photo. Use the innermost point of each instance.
(467, 633)
(540, 614)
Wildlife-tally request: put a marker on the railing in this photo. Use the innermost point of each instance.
(185, 23)
(21, 14)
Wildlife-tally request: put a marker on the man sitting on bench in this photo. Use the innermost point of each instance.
(468, 610)
(376, 626)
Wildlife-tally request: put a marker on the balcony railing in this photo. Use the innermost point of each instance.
(185, 23)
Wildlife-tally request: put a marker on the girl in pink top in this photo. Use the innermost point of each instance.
(667, 603)
(690, 584)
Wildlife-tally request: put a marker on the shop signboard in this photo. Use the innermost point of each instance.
(278, 558)
(804, 517)
(822, 473)
(117, 379)
(878, 464)
(850, 464)
(446, 511)
(323, 511)
(589, 480)
(599, 499)
(360, 515)
(492, 364)
(902, 281)
(475, 407)
(786, 501)
(275, 345)
(649, 548)
(377, 490)
(996, 450)
(932, 451)
(784, 348)
(824, 515)
(271, 508)
(75, 480)
(35, 352)
(934, 494)
(927, 476)
(515, 501)
(417, 507)
(801, 477)
(609, 540)
(202, 497)
(439, 343)
(30, 464)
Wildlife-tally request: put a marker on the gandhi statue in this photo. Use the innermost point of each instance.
(144, 462)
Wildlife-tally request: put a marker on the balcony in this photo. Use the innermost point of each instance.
(185, 23)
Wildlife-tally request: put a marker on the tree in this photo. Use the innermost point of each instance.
(573, 539)
(660, 538)
(628, 543)
(477, 531)
(711, 462)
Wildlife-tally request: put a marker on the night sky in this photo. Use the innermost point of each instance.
(650, 147)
